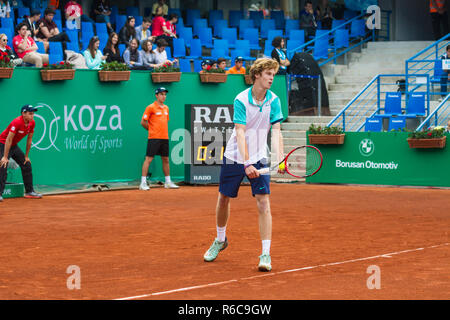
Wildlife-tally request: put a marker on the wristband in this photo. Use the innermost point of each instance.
(247, 165)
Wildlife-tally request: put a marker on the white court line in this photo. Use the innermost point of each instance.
(384, 255)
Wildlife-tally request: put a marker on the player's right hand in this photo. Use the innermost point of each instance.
(251, 172)
(4, 162)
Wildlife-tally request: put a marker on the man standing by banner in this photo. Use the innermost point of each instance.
(155, 120)
(16, 131)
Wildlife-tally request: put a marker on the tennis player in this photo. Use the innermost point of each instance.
(18, 129)
(155, 121)
(256, 110)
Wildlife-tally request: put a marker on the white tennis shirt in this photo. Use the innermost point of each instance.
(258, 120)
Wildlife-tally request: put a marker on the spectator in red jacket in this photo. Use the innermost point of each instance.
(26, 48)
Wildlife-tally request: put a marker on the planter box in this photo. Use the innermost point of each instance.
(326, 138)
(248, 79)
(213, 77)
(427, 143)
(6, 73)
(13, 190)
(166, 76)
(58, 74)
(105, 76)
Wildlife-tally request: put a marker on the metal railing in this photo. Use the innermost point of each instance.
(370, 101)
(439, 117)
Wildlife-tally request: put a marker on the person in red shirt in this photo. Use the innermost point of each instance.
(26, 48)
(18, 129)
(155, 121)
(158, 22)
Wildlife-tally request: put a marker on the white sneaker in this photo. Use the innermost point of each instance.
(144, 186)
(170, 185)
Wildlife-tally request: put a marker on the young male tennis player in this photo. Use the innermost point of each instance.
(256, 110)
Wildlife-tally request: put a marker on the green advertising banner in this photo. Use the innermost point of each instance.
(89, 132)
(382, 158)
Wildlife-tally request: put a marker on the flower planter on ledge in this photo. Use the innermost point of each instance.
(6, 73)
(106, 76)
(166, 76)
(57, 74)
(326, 138)
(213, 77)
(427, 143)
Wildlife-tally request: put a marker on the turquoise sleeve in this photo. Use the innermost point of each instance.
(240, 114)
(275, 111)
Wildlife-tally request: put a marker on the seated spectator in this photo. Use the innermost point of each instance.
(4, 48)
(158, 22)
(160, 52)
(325, 15)
(133, 57)
(169, 29)
(74, 11)
(206, 65)
(128, 31)
(148, 55)
(143, 31)
(222, 63)
(111, 50)
(48, 31)
(102, 13)
(160, 3)
(93, 56)
(26, 48)
(5, 9)
(279, 54)
(308, 20)
(238, 66)
(35, 16)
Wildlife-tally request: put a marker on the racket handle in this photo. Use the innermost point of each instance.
(264, 171)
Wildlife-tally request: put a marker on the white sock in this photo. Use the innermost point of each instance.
(221, 233)
(144, 180)
(167, 179)
(266, 247)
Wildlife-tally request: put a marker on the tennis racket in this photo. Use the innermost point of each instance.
(301, 162)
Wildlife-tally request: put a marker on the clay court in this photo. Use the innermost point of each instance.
(149, 245)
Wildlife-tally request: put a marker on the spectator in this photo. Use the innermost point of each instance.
(238, 66)
(325, 15)
(73, 11)
(4, 48)
(111, 50)
(169, 30)
(128, 31)
(35, 16)
(439, 18)
(308, 20)
(160, 52)
(93, 56)
(39, 4)
(143, 31)
(26, 48)
(133, 57)
(445, 74)
(206, 65)
(148, 55)
(48, 31)
(5, 9)
(102, 13)
(158, 22)
(222, 63)
(279, 54)
(160, 3)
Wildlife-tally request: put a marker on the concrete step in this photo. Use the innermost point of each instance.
(385, 45)
(300, 126)
(295, 141)
(308, 119)
(355, 80)
(342, 94)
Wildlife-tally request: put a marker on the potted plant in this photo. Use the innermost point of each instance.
(429, 138)
(114, 71)
(6, 66)
(166, 73)
(59, 71)
(247, 77)
(215, 75)
(325, 135)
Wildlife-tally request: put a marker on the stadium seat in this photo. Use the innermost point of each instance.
(180, 23)
(416, 105)
(58, 15)
(85, 38)
(138, 20)
(358, 28)
(321, 45)
(217, 53)
(243, 25)
(191, 15)
(268, 48)
(234, 17)
(199, 24)
(195, 50)
(267, 25)
(257, 17)
(197, 65)
(73, 36)
(122, 48)
(179, 48)
(132, 11)
(350, 14)
(237, 53)
(185, 65)
(9, 33)
(336, 23)
(87, 27)
(438, 72)
(114, 14)
(23, 11)
(218, 27)
(278, 16)
(251, 34)
(100, 28)
(230, 34)
(103, 37)
(59, 25)
(373, 124)
(341, 38)
(169, 53)
(186, 34)
(392, 104)
(213, 16)
(7, 23)
(205, 36)
(244, 46)
(120, 22)
(55, 52)
(177, 11)
(398, 122)
(291, 24)
(274, 33)
(41, 48)
(292, 45)
(298, 35)
(74, 46)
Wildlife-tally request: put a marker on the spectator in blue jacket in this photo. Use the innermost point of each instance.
(133, 57)
(143, 31)
(93, 56)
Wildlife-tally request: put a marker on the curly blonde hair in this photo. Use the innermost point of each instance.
(262, 64)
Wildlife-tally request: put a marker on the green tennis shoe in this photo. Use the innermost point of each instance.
(214, 250)
(265, 263)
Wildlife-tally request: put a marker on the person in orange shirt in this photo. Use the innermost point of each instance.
(439, 17)
(155, 120)
(238, 66)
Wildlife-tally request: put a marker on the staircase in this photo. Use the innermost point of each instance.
(344, 82)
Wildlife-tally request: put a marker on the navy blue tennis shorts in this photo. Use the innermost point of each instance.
(232, 174)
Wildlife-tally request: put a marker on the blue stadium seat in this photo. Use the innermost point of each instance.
(7, 23)
(291, 24)
(298, 35)
(230, 34)
(221, 49)
(278, 16)
(41, 48)
(87, 27)
(205, 36)
(132, 11)
(186, 34)
(55, 51)
(197, 65)
(185, 65)
(180, 23)
(244, 46)
(321, 45)
(85, 38)
(416, 105)
(243, 25)
(350, 14)
(373, 124)
(257, 17)
(179, 48)
(438, 72)
(398, 122)
(74, 46)
(199, 24)
(23, 11)
(234, 17)
(103, 37)
(191, 15)
(341, 38)
(213, 16)
(266, 25)
(196, 49)
(274, 33)
(73, 36)
(100, 28)
(218, 27)
(120, 22)
(114, 14)
(122, 48)
(392, 104)
(358, 28)
(268, 48)
(292, 45)
(169, 53)
(251, 34)
(138, 20)
(336, 23)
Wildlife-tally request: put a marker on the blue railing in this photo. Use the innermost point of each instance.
(370, 101)
(439, 117)
(309, 46)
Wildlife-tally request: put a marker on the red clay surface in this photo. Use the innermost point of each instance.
(133, 243)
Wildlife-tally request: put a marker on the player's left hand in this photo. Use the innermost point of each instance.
(27, 159)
